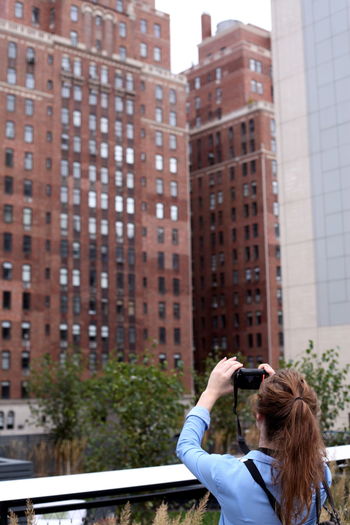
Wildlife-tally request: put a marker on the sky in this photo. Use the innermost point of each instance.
(185, 23)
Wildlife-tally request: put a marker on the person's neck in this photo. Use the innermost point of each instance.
(264, 443)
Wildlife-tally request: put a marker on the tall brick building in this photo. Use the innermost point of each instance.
(234, 195)
(95, 237)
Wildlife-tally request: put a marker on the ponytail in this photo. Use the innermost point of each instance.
(289, 406)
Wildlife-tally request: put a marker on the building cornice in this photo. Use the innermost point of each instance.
(239, 113)
(159, 72)
(230, 50)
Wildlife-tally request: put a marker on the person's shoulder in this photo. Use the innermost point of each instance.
(327, 474)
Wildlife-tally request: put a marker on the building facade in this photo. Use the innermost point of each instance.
(95, 248)
(311, 48)
(234, 196)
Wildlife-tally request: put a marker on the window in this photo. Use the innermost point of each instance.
(159, 186)
(119, 6)
(74, 13)
(159, 115)
(197, 83)
(172, 118)
(157, 54)
(11, 50)
(10, 129)
(11, 75)
(28, 134)
(8, 213)
(28, 160)
(30, 81)
(159, 210)
(74, 38)
(172, 96)
(173, 165)
(176, 286)
(122, 53)
(157, 30)
(143, 25)
(10, 103)
(19, 10)
(35, 15)
(172, 141)
(143, 50)
(6, 330)
(7, 271)
(5, 389)
(76, 277)
(159, 162)
(27, 188)
(122, 29)
(5, 360)
(173, 188)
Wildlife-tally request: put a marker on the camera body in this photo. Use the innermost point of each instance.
(249, 378)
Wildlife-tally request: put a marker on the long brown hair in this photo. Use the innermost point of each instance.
(290, 408)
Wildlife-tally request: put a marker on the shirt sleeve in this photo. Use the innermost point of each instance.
(189, 449)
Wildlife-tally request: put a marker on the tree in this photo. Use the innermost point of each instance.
(58, 406)
(135, 412)
(329, 380)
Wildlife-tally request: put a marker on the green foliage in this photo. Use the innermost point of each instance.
(329, 379)
(221, 436)
(59, 396)
(135, 412)
(125, 417)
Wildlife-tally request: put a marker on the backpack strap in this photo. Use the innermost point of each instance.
(254, 472)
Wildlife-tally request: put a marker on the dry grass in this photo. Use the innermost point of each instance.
(193, 517)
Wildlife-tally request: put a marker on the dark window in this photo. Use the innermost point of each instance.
(7, 271)
(64, 248)
(161, 285)
(160, 235)
(6, 330)
(177, 336)
(176, 286)
(7, 242)
(5, 389)
(6, 300)
(63, 304)
(9, 156)
(8, 185)
(27, 188)
(27, 244)
(131, 283)
(176, 310)
(175, 236)
(162, 310)
(25, 360)
(161, 260)
(35, 15)
(176, 261)
(162, 335)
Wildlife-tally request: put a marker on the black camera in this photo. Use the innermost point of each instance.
(249, 378)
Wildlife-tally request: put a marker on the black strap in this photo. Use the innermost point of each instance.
(240, 439)
(259, 480)
(331, 511)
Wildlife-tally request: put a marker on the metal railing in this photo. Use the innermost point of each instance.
(102, 489)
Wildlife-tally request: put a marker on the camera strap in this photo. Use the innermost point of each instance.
(240, 439)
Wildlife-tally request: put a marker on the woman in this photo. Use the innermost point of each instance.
(290, 458)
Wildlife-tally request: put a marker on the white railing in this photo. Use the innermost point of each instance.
(117, 486)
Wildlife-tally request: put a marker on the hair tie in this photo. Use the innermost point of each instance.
(296, 399)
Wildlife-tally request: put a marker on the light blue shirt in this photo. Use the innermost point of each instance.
(241, 499)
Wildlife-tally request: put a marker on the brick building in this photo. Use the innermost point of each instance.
(234, 195)
(95, 237)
